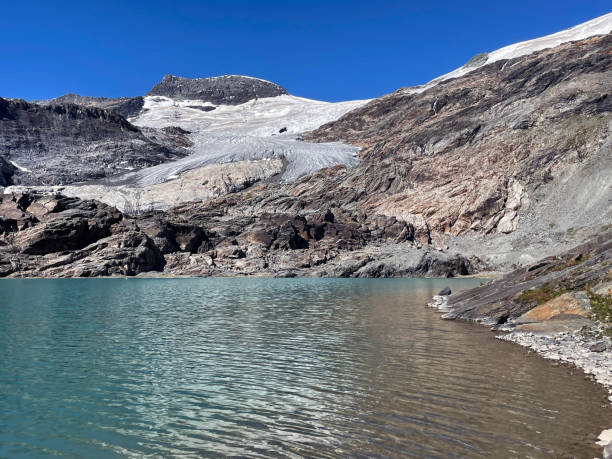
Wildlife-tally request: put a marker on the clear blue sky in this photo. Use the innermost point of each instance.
(328, 50)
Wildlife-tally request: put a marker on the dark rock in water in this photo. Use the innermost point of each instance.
(598, 347)
(223, 90)
(281, 130)
(445, 291)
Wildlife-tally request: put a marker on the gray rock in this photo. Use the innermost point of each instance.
(445, 291)
(223, 90)
(477, 60)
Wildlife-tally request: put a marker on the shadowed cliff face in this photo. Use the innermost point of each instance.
(472, 153)
(6, 172)
(223, 90)
(66, 143)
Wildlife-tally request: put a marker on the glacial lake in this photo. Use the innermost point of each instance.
(274, 368)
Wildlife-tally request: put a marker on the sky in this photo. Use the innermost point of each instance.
(326, 50)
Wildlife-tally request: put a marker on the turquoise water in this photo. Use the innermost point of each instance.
(273, 367)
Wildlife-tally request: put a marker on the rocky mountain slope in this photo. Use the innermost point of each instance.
(67, 143)
(517, 144)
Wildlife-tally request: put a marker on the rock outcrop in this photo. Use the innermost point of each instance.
(217, 238)
(536, 292)
(7, 170)
(223, 90)
(56, 236)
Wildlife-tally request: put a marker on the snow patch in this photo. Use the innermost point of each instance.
(598, 26)
(21, 168)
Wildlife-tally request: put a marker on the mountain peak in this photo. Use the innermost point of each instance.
(220, 90)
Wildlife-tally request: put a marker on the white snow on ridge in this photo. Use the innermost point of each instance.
(249, 131)
(259, 117)
(598, 26)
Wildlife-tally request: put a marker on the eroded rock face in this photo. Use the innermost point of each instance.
(233, 236)
(223, 90)
(67, 143)
(56, 236)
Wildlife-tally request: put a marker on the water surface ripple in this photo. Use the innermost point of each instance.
(273, 368)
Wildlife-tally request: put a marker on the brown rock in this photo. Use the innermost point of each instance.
(568, 303)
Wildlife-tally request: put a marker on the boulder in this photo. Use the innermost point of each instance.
(574, 303)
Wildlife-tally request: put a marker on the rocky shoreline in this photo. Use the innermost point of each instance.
(558, 307)
(577, 348)
(585, 349)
